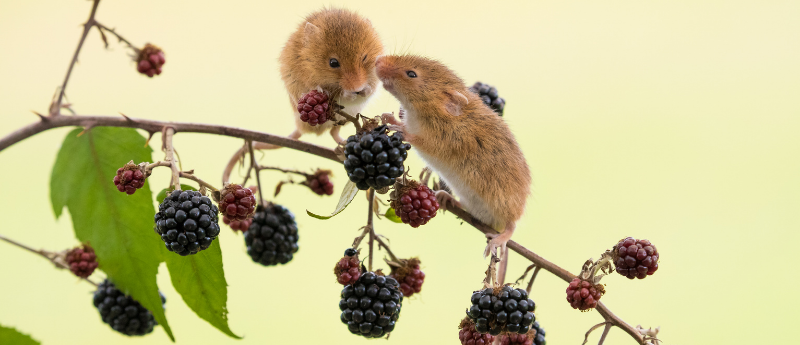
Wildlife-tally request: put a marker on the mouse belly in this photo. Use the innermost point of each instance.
(354, 106)
(467, 196)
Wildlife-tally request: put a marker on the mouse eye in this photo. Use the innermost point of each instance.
(411, 74)
(334, 63)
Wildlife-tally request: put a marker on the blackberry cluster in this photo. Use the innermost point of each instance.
(348, 269)
(635, 258)
(410, 276)
(489, 96)
(121, 312)
(371, 306)
(320, 182)
(502, 310)
(313, 108)
(237, 202)
(416, 205)
(150, 60)
(469, 336)
(187, 222)
(582, 295)
(375, 159)
(272, 237)
(129, 178)
(82, 261)
(539, 339)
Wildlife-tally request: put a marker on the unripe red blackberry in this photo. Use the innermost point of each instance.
(187, 222)
(635, 258)
(375, 159)
(371, 306)
(489, 96)
(240, 225)
(469, 336)
(237, 202)
(121, 312)
(129, 178)
(150, 60)
(414, 203)
(348, 269)
(409, 275)
(518, 339)
(82, 261)
(583, 295)
(320, 182)
(502, 310)
(314, 108)
(272, 237)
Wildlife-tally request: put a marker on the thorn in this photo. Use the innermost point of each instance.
(42, 117)
(85, 129)
(125, 116)
(150, 136)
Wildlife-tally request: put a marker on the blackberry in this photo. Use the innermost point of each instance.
(371, 306)
(583, 295)
(539, 338)
(272, 237)
(238, 225)
(409, 275)
(121, 312)
(469, 336)
(82, 261)
(502, 310)
(150, 60)
(187, 222)
(414, 203)
(375, 159)
(314, 108)
(237, 202)
(489, 96)
(635, 258)
(348, 269)
(320, 182)
(129, 178)
(517, 339)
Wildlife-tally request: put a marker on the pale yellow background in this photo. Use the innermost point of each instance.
(673, 121)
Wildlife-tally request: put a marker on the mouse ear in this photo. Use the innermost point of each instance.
(310, 31)
(455, 101)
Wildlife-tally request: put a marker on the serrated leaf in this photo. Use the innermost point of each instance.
(348, 194)
(163, 193)
(390, 215)
(117, 225)
(201, 282)
(12, 336)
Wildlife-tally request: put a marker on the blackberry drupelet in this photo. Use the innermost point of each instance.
(502, 310)
(371, 306)
(187, 222)
(374, 158)
(272, 237)
(635, 258)
(121, 312)
(489, 96)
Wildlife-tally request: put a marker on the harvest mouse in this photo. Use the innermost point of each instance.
(462, 139)
(334, 50)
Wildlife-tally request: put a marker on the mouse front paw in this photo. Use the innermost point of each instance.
(388, 119)
(446, 200)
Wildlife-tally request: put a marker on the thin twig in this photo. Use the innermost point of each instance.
(288, 171)
(120, 38)
(358, 239)
(586, 338)
(350, 118)
(533, 277)
(605, 333)
(258, 177)
(170, 151)
(55, 109)
(191, 176)
(388, 251)
(371, 196)
(52, 257)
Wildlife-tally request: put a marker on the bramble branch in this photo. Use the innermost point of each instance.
(55, 258)
(103, 28)
(55, 108)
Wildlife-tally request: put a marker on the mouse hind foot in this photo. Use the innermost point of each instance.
(445, 199)
(499, 241)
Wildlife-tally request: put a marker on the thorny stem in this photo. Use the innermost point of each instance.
(288, 171)
(170, 151)
(47, 255)
(55, 109)
(258, 177)
(120, 38)
(371, 202)
(350, 118)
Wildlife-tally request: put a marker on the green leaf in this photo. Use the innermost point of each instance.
(163, 193)
(117, 225)
(390, 215)
(12, 336)
(348, 194)
(201, 282)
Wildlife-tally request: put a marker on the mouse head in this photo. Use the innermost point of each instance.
(339, 52)
(418, 82)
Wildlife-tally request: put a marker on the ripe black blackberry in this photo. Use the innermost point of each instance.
(272, 237)
(374, 158)
(121, 312)
(489, 96)
(371, 306)
(502, 310)
(187, 222)
(539, 339)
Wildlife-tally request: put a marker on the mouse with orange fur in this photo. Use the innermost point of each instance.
(333, 50)
(462, 139)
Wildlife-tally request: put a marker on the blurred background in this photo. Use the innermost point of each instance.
(673, 121)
